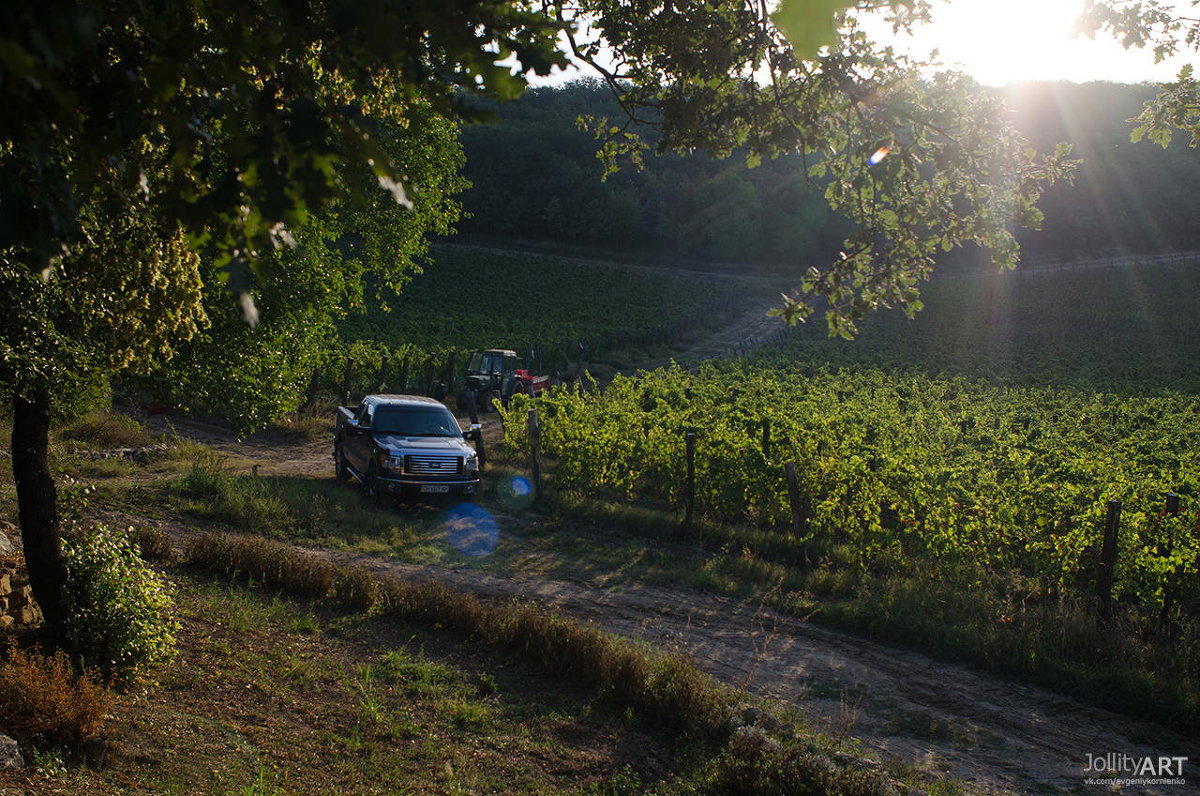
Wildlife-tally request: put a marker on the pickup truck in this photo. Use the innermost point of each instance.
(405, 446)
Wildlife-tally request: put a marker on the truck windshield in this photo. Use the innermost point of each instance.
(413, 421)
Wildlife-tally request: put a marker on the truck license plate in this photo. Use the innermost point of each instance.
(435, 488)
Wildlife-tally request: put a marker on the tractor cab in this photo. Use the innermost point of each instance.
(493, 362)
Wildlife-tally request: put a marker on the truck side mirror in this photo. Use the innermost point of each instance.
(474, 431)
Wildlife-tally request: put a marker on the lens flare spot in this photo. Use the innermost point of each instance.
(472, 530)
(515, 493)
(879, 155)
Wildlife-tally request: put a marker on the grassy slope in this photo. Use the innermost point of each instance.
(1112, 329)
(273, 696)
(472, 297)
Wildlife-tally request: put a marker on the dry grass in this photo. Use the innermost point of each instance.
(665, 690)
(42, 697)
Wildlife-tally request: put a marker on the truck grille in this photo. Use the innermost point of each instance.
(433, 465)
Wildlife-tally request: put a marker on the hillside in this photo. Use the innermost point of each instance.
(536, 178)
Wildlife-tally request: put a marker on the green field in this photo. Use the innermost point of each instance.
(471, 297)
(1128, 329)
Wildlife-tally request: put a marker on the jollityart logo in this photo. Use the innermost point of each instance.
(1115, 768)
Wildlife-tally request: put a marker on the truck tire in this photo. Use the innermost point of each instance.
(340, 470)
(370, 486)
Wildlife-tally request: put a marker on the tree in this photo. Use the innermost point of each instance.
(1164, 29)
(149, 148)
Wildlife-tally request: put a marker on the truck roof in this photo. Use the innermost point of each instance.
(388, 398)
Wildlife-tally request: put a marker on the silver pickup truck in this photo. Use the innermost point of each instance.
(407, 446)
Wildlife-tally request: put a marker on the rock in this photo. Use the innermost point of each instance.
(96, 752)
(6, 621)
(10, 753)
(7, 548)
(5, 581)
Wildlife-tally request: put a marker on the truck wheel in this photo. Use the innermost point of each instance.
(371, 490)
(340, 470)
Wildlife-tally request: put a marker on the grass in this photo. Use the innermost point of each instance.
(298, 677)
(350, 704)
(955, 614)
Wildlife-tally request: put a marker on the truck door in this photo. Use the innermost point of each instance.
(357, 446)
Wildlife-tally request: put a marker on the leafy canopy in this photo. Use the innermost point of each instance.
(248, 118)
(1165, 29)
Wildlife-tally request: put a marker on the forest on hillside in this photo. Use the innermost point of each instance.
(535, 177)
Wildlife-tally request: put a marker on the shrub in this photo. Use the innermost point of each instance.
(42, 697)
(117, 607)
(107, 430)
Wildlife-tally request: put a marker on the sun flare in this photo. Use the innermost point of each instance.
(1008, 41)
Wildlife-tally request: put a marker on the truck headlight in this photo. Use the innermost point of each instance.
(472, 463)
(392, 462)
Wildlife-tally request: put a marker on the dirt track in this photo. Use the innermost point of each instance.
(999, 736)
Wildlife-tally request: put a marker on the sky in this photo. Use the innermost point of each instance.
(1010, 41)
(1006, 41)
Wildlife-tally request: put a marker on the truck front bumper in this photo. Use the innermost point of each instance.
(419, 487)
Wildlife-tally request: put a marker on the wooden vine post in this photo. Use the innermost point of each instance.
(451, 369)
(472, 406)
(1108, 559)
(402, 382)
(1170, 509)
(793, 487)
(534, 452)
(689, 496)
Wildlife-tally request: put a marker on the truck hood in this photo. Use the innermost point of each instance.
(419, 445)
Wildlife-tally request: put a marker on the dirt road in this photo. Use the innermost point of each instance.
(999, 736)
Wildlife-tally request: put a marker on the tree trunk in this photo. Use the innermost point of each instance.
(37, 504)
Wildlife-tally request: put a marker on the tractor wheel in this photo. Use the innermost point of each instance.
(519, 388)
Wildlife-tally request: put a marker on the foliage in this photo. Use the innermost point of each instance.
(255, 373)
(478, 298)
(84, 317)
(250, 118)
(1165, 29)
(533, 178)
(920, 163)
(118, 608)
(902, 466)
(1125, 328)
(43, 697)
(102, 430)
(259, 106)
